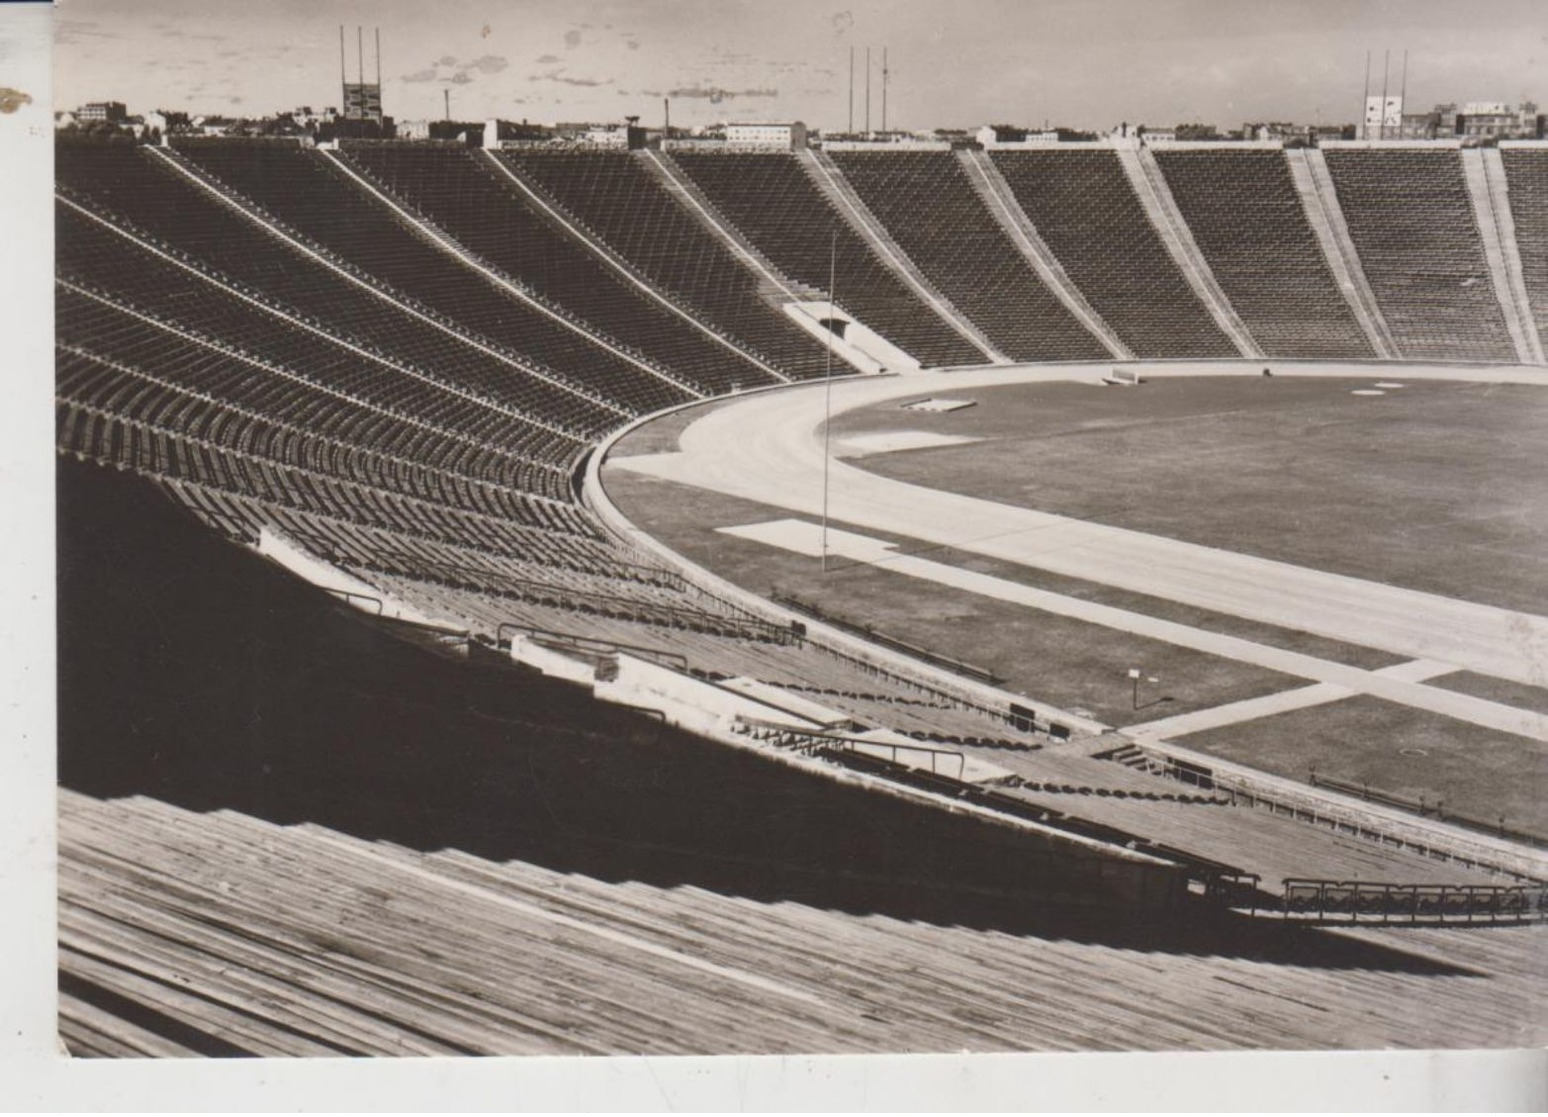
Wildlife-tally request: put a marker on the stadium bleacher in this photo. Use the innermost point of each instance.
(283, 354)
(617, 199)
(301, 191)
(466, 197)
(1247, 219)
(1526, 170)
(929, 207)
(1084, 208)
(769, 199)
(1412, 222)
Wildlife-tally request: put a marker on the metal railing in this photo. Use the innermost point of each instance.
(1413, 903)
(807, 741)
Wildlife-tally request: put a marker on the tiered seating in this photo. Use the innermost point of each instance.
(464, 196)
(211, 343)
(133, 193)
(1247, 218)
(1083, 207)
(930, 209)
(626, 966)
(1411, 220)
(1526, 175)
(621, 203)
(323, 207)
(770, 200)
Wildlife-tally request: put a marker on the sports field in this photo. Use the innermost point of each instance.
(1437, 486)
(1283, 555)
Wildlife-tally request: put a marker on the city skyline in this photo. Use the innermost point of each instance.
(1081, 64)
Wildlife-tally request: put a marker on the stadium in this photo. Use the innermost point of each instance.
(540, 599)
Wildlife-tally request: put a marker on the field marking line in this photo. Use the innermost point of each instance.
(769, 449)
(807, 539)
(1301, 698)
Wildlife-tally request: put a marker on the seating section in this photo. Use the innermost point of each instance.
(462, 194)
(425, 438)
(304, 193)
(610, 966)
(770, 200)
(1412, 222)
(619, 201)
(1526, 176)
(1083, 207)
(132, 192)
(1247, 219)
(929, 207)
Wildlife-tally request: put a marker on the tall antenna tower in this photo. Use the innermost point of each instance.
(1365, 102)
(851, 91)
(867, 91)
(885, 72)
(1403, 96)
(362, 100)
(1386, 74)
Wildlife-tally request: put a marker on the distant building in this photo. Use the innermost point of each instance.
(65, 120)
(1498, 120)
(606, 135)
(995, 136)
(497, 132)
(786, 137)
(98, 112)
(1191, 132)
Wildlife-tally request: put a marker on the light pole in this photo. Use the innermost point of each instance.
(827, 391)
(1134, 676)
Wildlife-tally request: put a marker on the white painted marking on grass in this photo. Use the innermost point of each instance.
(1389, 384)
(939, 404)
(1367, 392)
(881, 442)
(1392, 684)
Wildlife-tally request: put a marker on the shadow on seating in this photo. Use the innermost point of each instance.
(194, 672)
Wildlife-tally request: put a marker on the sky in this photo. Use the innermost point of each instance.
(953, 63)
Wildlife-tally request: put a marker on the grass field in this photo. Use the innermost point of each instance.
(1437, 486)
(1394, 748)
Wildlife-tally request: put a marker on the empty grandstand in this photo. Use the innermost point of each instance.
(1249, 222)
(927, 204)
(515, 780)
(1086, 211)
(1417, 235)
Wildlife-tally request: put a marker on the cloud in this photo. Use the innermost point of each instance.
(572, 39)
(632, 44)
(487, 64)
(448, 69)
(563, 79)
(548, 59)
(842, 21)
(715, 95)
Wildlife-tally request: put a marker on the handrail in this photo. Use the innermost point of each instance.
(597, 644)
(350, 596)
(1323, 812)
(1430, 810)
(1412, 902)
(979, 674)
(817, 739)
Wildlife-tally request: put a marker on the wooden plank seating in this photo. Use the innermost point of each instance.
(299, 940)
